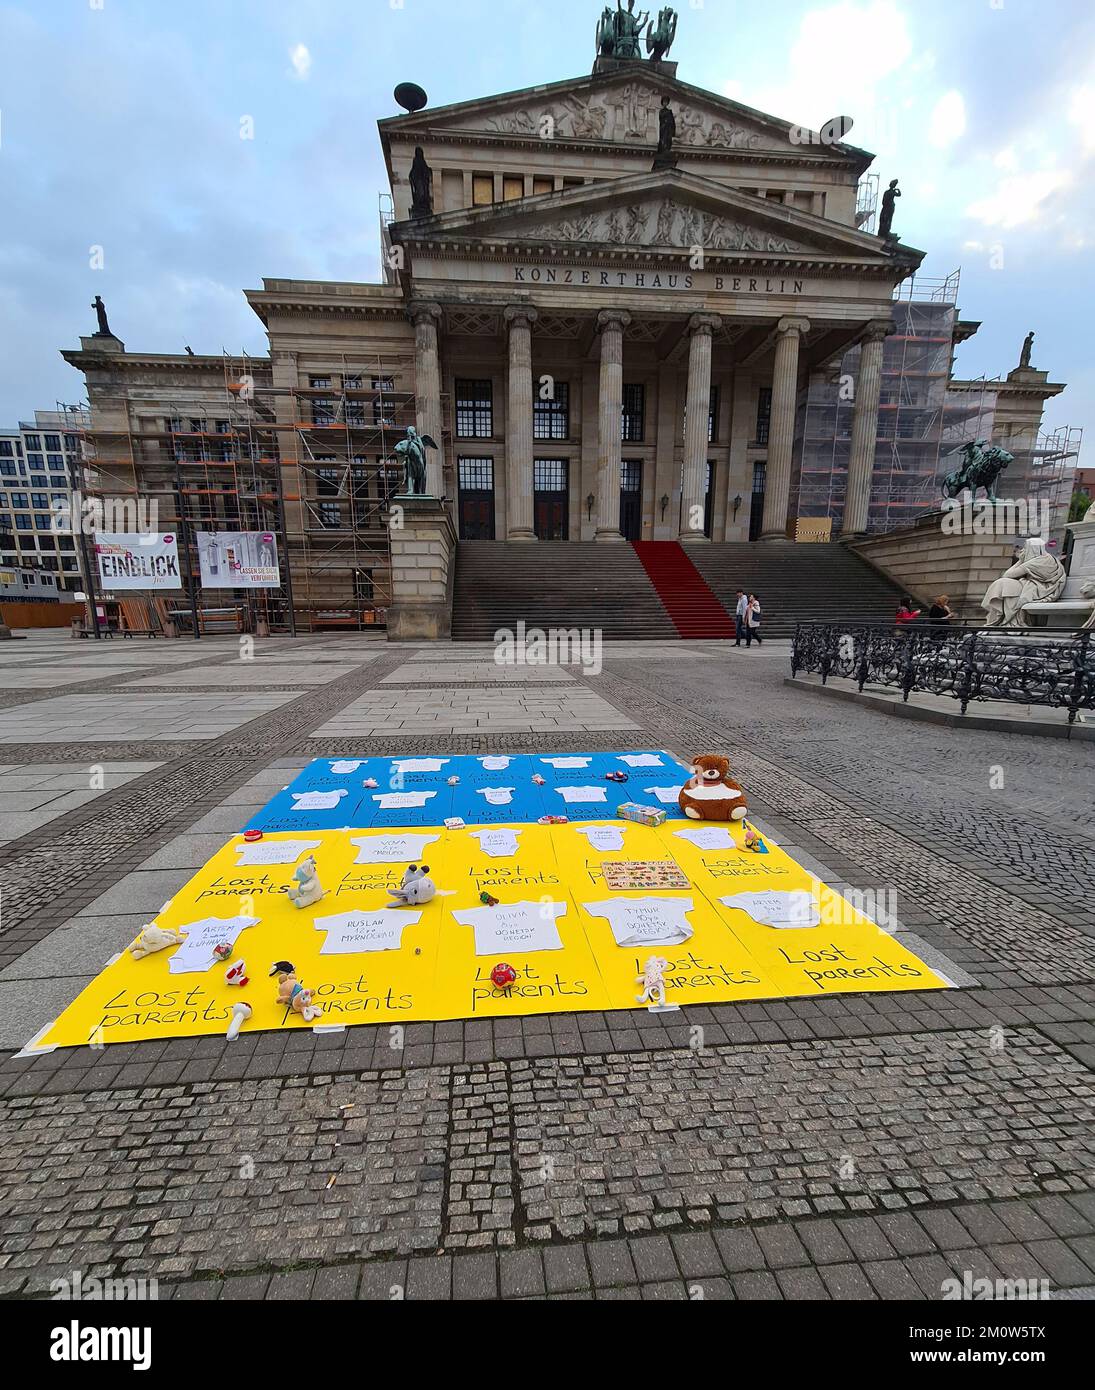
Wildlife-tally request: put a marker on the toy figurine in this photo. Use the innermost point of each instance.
(309, 890)
(552, 820)
(236, 974)
(453, 781)
(222, 951)
(293, 993)
(503, 977)
(616, 776)
(241, 1012)
(711, 793)
(252, 835)
(653, 982)
(753, 840)
(540, 781)
(487, 899)
(153, 938)
(416, 888)
(370, 782)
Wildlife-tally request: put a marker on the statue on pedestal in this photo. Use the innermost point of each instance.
(981, 466)
(1024, 355)
(885, 217)
(100, 313)
(618, 33)
(660, 40)
(421, 181)
(667, 133)
(1036, 577)
(412, 451)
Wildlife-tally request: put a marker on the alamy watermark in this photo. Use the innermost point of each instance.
(74, 514)
(554, 646)
(1005, 516)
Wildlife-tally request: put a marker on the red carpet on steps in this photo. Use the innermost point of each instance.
(684, 593)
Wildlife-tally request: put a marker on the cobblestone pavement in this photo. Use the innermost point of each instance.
(849, 1147)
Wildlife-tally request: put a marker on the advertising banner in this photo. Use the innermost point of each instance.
(146, 560)
(238, 559)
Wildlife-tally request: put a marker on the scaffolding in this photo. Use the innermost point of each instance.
(312, 465)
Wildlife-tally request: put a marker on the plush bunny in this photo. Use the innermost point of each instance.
(711, 793)
(153, 938)
(417, 887)
(309, 890)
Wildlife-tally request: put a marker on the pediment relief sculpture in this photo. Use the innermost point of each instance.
(664, 223)
(630, 113)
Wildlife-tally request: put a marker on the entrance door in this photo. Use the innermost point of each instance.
(631, 499)
(756, 501)
(476, 479)
(550, 499)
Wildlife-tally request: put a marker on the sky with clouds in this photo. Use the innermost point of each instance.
(207, 143)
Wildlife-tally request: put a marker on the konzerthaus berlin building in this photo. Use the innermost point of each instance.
(606, 342)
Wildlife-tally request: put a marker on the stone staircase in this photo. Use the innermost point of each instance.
(589, 585)
(554, 584)
(797, 583)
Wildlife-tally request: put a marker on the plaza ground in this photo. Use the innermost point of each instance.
(853, 1146)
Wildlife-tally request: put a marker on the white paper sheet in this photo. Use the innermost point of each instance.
(566, 762)
(640, 760)
(317, 801)
(196, 952)
(513, 927)
(777, 907)
(666, 795)
(498, 844)
(645, 921)
(398, 801)
(349, 933)
(707, 836)
(580, 794)
(273, 851)
(405, 765)
(495, 762)
(344, 765)
(604, 838)
(496, 796)
(400, 847)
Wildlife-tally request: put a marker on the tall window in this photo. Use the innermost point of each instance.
(476, 475)
(549, 475)
(634, 404)
(551, 418)
(474, 409)
(764, 414)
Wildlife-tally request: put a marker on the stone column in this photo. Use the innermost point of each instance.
(427, 391)
(611, 323)
(781, 434)
(519, 319)
(697, 411)
(868, 386)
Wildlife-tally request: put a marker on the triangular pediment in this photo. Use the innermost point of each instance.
(621, 109)
(663, 212)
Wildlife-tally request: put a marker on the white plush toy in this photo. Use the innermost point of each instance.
(153, 938)
(309, 890)
(417, 887)
(653, 982)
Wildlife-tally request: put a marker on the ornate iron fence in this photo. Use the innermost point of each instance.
(1029, 666)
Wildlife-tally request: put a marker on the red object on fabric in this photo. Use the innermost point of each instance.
(685, 595)
(503, 975)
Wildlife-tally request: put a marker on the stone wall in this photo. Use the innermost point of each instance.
(926, 561)
(423, 565)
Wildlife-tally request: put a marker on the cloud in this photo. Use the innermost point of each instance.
(301, 60)
(1020, 198)
(948, 120)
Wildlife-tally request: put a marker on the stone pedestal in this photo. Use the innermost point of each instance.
(423, 563)
(1074, 607)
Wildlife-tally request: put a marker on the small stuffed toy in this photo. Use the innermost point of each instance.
(293, 993)
(153, 938)
(503, 977)
(309, 890)
(417, 887)
(711, 793)
(653, 982)
(236, 974)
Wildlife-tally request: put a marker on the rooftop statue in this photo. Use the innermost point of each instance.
(1028, 343)
(619, 31)
(885, 217)
(421, 181)
(980, 467)
(660, 40)
(100, 313)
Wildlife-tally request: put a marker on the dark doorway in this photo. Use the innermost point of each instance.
(550, 499)
(756, 501)
(708, 499)
(631, 499)
(476, 478)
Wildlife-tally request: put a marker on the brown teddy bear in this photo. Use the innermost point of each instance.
(711, 793)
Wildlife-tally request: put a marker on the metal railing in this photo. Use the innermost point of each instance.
(1052, 667)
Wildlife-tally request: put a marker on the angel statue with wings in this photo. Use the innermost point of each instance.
(412, 451)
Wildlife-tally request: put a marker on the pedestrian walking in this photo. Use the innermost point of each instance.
(752, 621)
(739, 617)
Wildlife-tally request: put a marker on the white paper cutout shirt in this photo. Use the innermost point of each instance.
(273, 851)
(666, 795)
(645, 921)
(317, 801)
(494, 762)
(196, 952)
(513, 927)
(640, 760)
(499, 844)
(419, 764)
(707, 836)
(496, 796)
(604, 838)
(566, 762)
(579, 794)
(398, 801)
(346, 765)
(778, 907)
(351, 932)
(391, 849)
